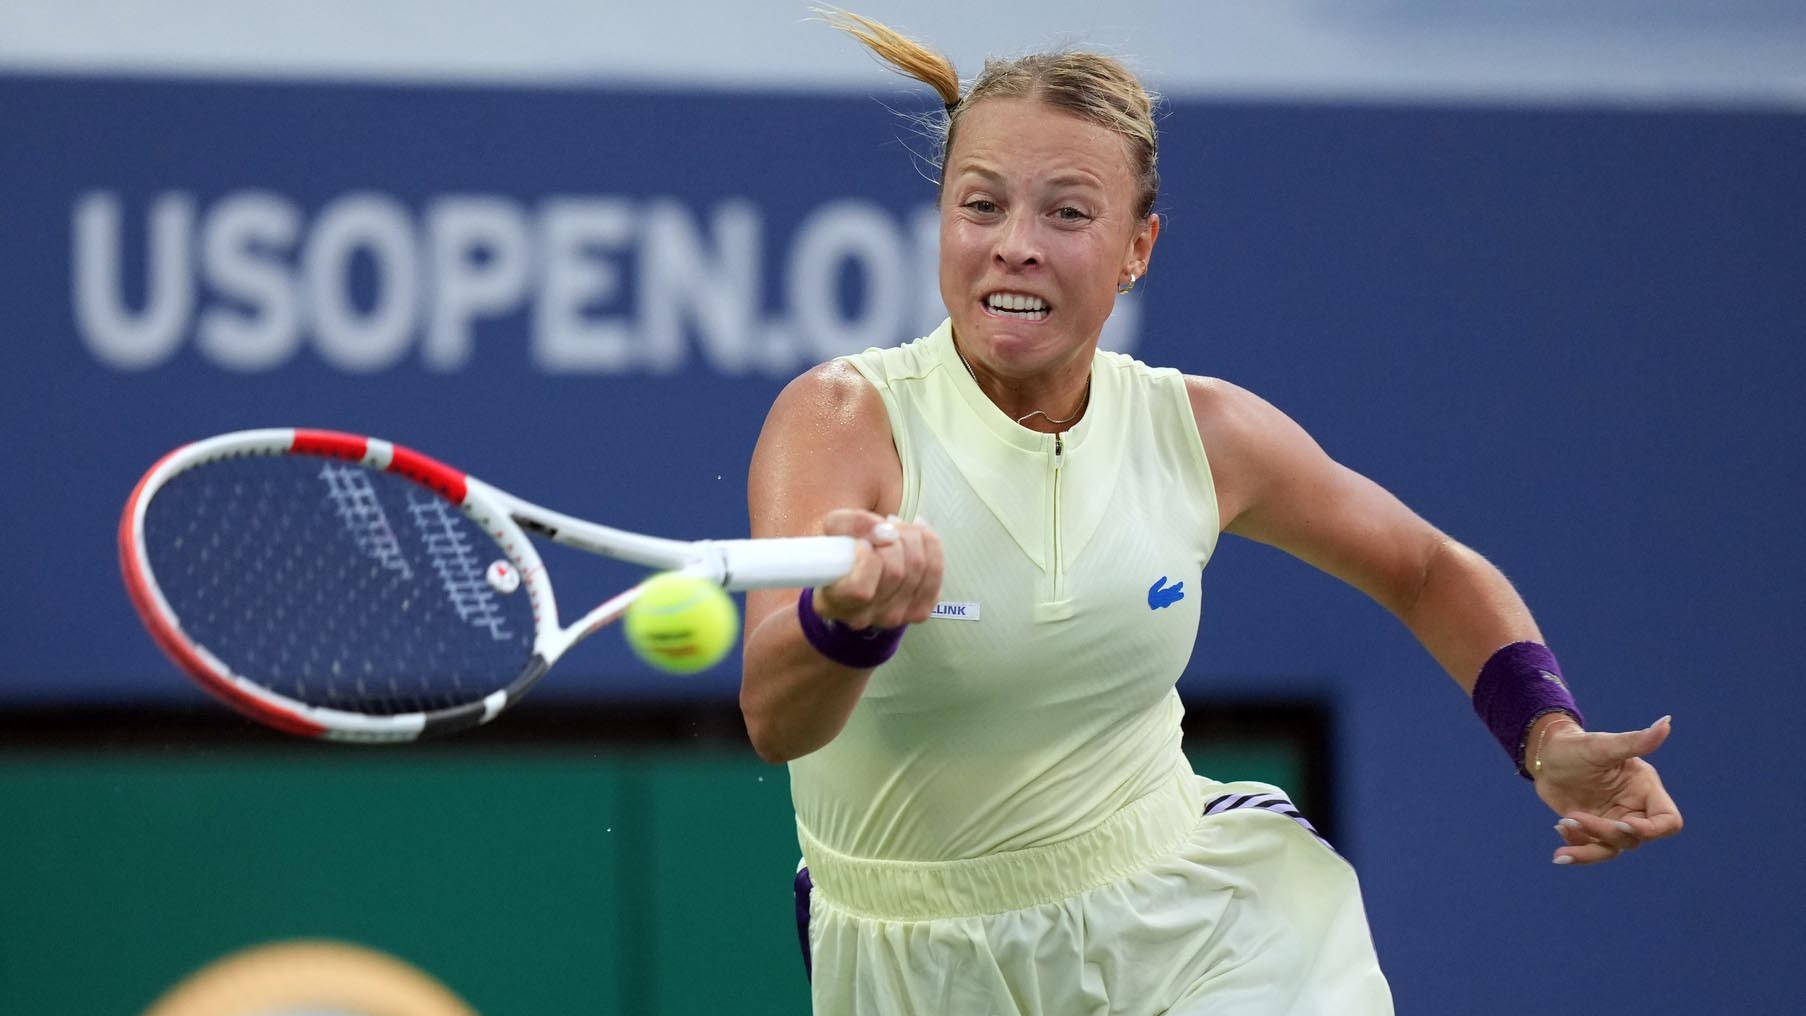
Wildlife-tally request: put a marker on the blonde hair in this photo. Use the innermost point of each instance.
(1091, 86)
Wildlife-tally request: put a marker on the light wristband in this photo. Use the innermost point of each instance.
(859, 648)
(1518, 685)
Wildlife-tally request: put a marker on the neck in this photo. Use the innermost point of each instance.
(1046, 403)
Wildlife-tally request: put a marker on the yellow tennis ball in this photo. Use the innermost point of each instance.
(681, 624)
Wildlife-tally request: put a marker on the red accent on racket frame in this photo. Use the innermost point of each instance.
(177, 648)
(429, 472)
(330, 443)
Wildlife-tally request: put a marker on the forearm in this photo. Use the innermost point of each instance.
(1463, 610)
(793, 698)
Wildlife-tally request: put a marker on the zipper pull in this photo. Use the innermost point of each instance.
(1059, 446)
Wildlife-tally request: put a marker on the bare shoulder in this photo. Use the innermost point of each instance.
(826, 444)
(831, 393)
(1238, 429)
(1223, 409)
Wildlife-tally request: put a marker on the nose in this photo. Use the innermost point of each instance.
(1019, 242)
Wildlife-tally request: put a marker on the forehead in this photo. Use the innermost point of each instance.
(1028, 140)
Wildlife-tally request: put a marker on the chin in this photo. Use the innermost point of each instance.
(1021, 351)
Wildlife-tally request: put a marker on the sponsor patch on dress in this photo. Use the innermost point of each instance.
(956, 611)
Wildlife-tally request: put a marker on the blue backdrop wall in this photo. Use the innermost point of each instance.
(1571, 338)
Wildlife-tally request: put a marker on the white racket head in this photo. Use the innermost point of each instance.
(338, 586)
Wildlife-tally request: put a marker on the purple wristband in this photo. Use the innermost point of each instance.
(859, 648)
(1519, 684)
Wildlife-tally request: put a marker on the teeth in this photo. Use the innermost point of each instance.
(1015, 301)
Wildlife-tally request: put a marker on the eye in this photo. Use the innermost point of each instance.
(983, 206)
(1068, 213)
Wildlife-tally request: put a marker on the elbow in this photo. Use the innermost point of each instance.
(1408, 591)
(764, 733)
(788, 712)
(768, 748)
(772, 754)
(777, 742)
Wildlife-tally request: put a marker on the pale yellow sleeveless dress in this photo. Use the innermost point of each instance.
(1007, 823)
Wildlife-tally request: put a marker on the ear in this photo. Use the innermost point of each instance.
(1141, 247)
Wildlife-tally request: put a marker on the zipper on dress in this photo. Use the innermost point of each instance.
(1058, 567)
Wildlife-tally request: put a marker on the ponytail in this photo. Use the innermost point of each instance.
(904, 54)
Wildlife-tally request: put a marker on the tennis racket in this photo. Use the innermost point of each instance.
(343, 587)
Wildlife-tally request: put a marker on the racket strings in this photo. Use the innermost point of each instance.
(335, 585)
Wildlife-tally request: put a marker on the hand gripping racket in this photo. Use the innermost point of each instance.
(343, 587)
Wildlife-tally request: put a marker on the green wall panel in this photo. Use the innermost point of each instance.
(723, 872)
(121, 875)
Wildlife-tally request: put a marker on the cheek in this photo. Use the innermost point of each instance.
(962, 255)
(958, 240)
(1089, 271)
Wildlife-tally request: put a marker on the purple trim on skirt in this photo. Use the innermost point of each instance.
(803, 888)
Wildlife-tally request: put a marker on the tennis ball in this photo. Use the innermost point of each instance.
(681, 624)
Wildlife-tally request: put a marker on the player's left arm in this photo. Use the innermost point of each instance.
(1277, 486)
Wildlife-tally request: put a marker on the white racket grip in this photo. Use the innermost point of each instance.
(788, 562)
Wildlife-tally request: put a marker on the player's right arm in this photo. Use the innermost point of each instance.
(825, 464)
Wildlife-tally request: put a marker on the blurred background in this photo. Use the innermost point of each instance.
(1539, 268)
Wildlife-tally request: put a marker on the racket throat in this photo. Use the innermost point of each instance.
(451, 721)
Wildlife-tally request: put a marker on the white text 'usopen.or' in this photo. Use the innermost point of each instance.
(593, 284)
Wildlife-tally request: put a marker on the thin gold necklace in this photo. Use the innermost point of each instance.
(1083, 403)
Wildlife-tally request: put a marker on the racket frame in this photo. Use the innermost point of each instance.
(789, 562)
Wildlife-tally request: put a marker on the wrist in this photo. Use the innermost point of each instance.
(1541, 729)
(1516, 688)
(858, 648)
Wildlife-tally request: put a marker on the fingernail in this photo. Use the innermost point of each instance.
(1623, 827)
(1568, 823)
(1563, 859)
(884, 532)
(1665, 719)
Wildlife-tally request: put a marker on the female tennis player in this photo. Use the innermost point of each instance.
(980, 720)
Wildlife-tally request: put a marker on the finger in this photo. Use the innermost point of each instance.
(855, 522)
(861, 612)
(884, 532)
(886, 541)
(1571, 834)
(929, 592)
(1574, 834)
(853, 591)
(908, 607)
(1630, 744)
(1591, 853)
(917, 595)
(1655, 827)
(1660, 815)
(903, 571)
(850, 599)
(1610, 832)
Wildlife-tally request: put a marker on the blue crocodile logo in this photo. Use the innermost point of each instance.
(1162, 595)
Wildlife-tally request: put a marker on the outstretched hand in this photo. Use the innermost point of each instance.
(1610, 799)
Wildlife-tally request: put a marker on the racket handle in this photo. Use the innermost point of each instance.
(784, 562)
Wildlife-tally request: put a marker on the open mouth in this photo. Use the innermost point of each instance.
(1021, 306)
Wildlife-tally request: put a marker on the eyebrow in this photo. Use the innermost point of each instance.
(1075, 176)
(1067, 178)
